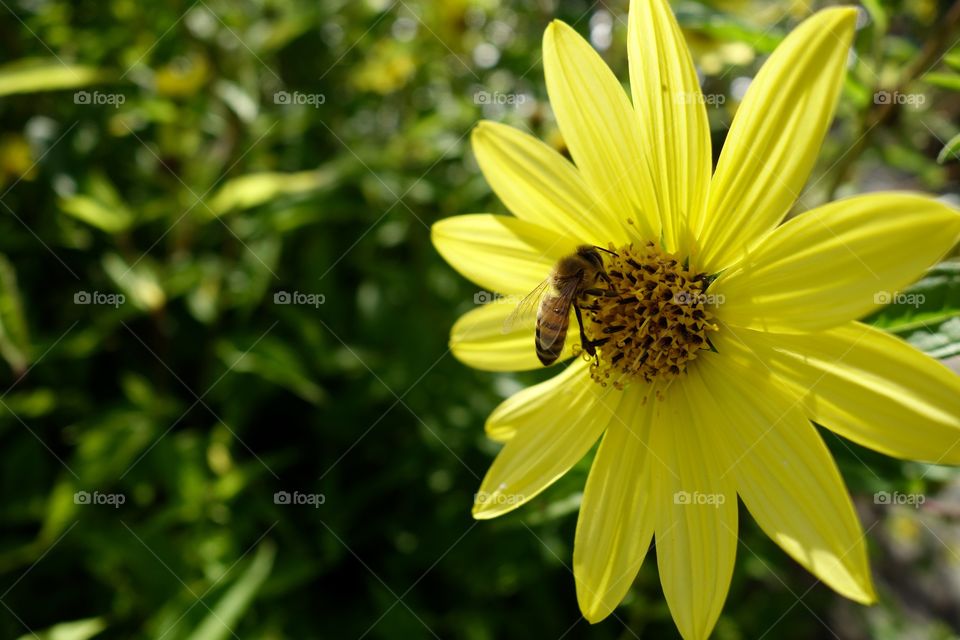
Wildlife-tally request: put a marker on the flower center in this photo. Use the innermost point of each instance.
(652, 319)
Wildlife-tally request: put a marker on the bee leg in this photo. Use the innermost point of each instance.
(587, 345)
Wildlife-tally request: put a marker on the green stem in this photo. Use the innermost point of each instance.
(877, 116)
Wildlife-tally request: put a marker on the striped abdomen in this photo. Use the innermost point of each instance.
(553, 317)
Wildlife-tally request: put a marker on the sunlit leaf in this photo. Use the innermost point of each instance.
(228, 611)
(943, 79)
(138, 282)
(950, 150)
(75, 630)
(28, 76)
(101, 207)
(259, 188)
(14, 338)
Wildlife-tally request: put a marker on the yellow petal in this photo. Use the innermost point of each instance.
(500, 253)
(600, 127)
(561, 433)
(536, 404)
(776, 135)
(541, 186)
(696, 519)
(616, 516)
(872, 388)
(837, 262)
(784, 472)
(673, 116)
(482, 338)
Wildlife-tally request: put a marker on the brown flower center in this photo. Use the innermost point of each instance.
(651, 321)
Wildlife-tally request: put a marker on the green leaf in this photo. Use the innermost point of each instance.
(927, 314)
(75, 630)
(14, 338)
(219, 623)
(878, 14)
(256, 189)
(726, 27)
(138, 282)
(275, 362)
(943, 79)
(950, 149)
(953, 59)
(28, 76)
(102, 207)
(942, 341)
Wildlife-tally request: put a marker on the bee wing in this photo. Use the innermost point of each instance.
(526, 308)
(565, 295)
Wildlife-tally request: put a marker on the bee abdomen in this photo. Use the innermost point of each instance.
(551, 335)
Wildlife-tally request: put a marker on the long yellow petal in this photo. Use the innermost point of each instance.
(673, 116)
(696, 528)
(616, 521)
(784, 472)
(503, 254)
(775, 137)
(837, 262)
(539, 403)
(541, 186)
(483, 339)
(563, 431)
(600, 127)
(870, 387)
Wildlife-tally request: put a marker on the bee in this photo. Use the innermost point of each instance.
(572, 279)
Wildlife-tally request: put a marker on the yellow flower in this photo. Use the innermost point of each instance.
(727, 332)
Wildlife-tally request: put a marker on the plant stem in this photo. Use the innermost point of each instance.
(880, 113)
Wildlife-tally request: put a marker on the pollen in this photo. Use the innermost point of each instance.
(651, 320)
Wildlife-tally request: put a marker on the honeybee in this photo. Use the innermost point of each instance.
(572, 279)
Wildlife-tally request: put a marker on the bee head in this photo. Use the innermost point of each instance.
(591, 255)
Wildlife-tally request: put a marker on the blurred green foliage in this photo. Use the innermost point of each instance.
(217, 284)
